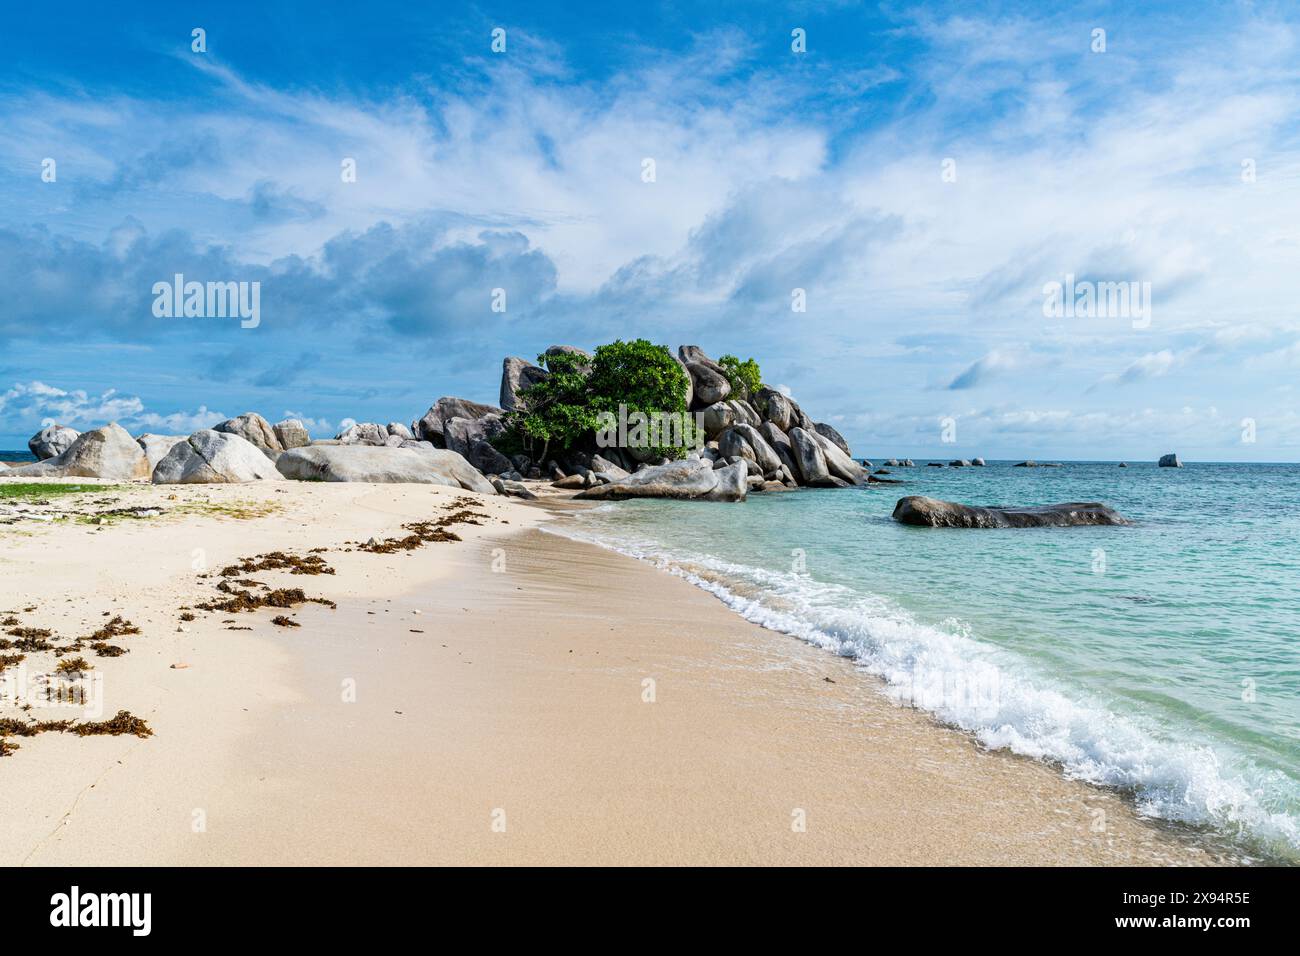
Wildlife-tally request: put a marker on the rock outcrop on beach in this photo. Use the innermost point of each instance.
(933, 513)
(1170, 461)
(691, 478)
(156, 447)
(108, 452)
(751, 437)
(52, 440)
(291, 433)
(256, 430)
(517, 375)
(212, 457)
(436, 466)
(432, 425)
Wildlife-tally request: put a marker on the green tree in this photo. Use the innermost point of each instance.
(745, 377)
(556, 411)
(639, 380)
(643, 378)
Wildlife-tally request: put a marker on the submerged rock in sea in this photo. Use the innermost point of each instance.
(383, 465)
(213, 457)
(932, 513)
(1170, 461)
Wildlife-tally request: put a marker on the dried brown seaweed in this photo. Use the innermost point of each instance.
(279, 561)
(117, 627)
(248, 601)
(123, 722)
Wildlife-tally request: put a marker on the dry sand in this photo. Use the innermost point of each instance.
(513, 698)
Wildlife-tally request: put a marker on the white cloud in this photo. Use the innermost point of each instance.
(29, 406)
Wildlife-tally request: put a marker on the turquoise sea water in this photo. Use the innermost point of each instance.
(1161, 658)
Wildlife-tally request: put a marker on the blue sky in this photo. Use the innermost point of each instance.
(774, 171)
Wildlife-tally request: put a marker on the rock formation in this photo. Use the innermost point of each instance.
(930, 512)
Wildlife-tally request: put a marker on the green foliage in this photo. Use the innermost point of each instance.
(555, 412)
(641, 378)
(37, 490)
(745, 378)
(565, 410)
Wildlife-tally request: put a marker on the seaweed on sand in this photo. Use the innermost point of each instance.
(279, 561)
(32, 641)
(424, 532)
(283, 621)
(73, 665)
(103, 649)
(117, 627)
(248, 601)
(123, 722)
(9, 660)
(30, 632)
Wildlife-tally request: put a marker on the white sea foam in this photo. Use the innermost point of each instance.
(992, 694)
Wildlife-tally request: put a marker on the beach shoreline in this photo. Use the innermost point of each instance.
(513, 697)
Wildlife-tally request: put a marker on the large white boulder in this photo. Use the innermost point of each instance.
(253, 428)
(108, 452)
(374, 463)
(52, 440)
(156, 447)
(213, 457)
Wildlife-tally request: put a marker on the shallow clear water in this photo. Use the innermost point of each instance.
(1161, 658)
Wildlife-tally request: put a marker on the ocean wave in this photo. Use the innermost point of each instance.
(994, 695)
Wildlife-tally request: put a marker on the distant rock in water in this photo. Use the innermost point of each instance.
(1037, 464)
(932, 513)
(1123, 464)
(1170, 461)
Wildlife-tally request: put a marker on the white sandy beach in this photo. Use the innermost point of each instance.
(501, 710)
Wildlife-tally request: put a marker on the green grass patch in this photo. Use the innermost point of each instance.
(36, 491)
(241, 510)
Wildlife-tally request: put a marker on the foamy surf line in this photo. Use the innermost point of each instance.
(993, 695)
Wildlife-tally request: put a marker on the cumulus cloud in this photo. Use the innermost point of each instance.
(526, 176)
(28, 406)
